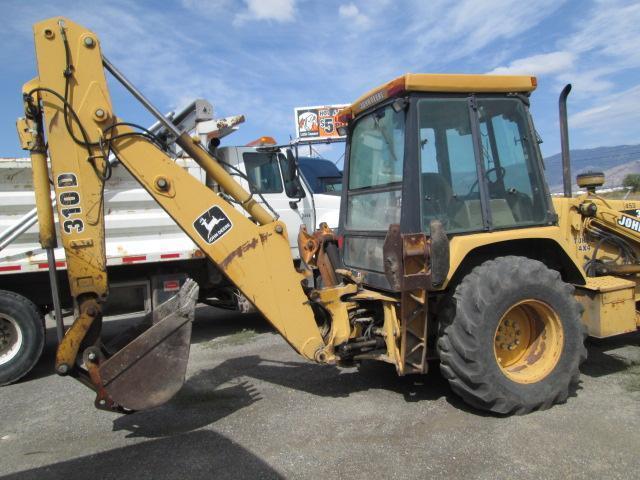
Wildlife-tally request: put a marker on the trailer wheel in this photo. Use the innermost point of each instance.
(512, 341)
(21, 336)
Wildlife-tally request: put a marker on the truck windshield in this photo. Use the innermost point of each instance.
(331, 185)
(322, 175)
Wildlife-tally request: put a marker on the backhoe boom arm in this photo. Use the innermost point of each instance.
(69, 101)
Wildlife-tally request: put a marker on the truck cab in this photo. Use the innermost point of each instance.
(272, 174)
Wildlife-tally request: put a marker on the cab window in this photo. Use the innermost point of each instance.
(448, 179)
(376, 160)
(450, 186)
(510, 160)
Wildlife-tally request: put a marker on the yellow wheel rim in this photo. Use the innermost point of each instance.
(528, 341)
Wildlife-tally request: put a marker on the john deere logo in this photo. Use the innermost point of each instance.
(629, 223)
(212, 224)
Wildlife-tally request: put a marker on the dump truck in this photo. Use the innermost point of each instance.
(450, 245)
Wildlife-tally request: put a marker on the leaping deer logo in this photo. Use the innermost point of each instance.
(209, 225)
(212, 224)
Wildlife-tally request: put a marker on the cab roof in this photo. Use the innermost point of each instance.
(440, 82)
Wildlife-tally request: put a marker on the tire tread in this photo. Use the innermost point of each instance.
(463, 314)
(37, 346)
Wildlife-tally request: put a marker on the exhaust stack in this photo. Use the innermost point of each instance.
(564, 140)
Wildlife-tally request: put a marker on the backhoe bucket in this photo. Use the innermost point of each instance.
(151, 369)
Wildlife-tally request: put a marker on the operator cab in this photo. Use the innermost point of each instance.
(424, 148)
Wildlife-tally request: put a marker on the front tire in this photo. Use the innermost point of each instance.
(21, 336)
(512, 341)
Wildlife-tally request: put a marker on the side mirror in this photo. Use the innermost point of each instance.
(292, 177)
(292, 165)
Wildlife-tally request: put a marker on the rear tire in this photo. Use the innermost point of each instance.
(512, 340)
(21, 336)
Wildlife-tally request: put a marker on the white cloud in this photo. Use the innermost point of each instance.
(599, 48)
(469, 26)
(546, 63)
(611, 30)
(613, 112)
(277, 10)
(352, 13)
(605, 41)
(323, 149)
(589, 81)
(349, 10)
(206, 7)
(287, 53)
(174, 68)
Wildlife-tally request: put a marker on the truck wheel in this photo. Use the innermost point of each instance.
(21, 336)
(512, 340)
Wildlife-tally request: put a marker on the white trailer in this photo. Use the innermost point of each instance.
(148, 256)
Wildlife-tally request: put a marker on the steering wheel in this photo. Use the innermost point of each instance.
(499, 171)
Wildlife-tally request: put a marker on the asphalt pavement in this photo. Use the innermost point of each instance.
(252, 408)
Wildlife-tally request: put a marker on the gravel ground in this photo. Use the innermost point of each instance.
(251, 408)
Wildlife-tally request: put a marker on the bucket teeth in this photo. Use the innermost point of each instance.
(151, 369)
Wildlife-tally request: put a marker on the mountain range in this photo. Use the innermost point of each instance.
(615, 162)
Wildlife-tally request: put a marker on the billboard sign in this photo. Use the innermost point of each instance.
(318, 123)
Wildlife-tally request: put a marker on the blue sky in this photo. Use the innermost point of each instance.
(261, 58)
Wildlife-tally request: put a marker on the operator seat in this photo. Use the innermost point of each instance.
(436, 196)
(521, 206)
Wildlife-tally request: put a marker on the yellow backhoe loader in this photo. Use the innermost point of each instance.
(450, 244)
